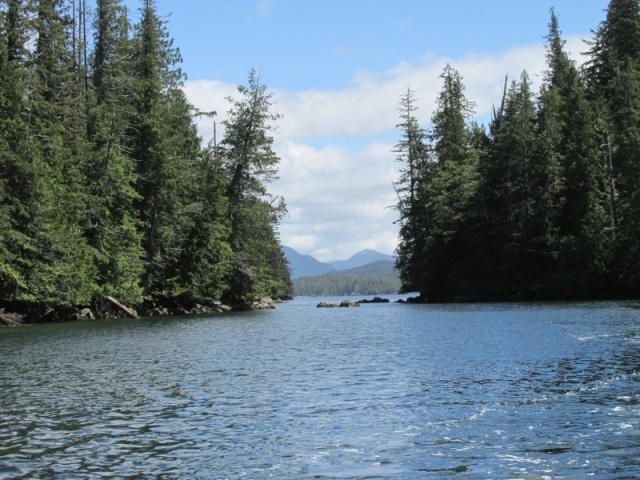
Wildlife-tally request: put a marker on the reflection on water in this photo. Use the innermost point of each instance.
(381, 391)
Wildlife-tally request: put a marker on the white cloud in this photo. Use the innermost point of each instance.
(265, 7)
(336, 193)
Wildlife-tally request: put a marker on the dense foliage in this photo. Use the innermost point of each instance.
(544, 203)
(341, 283)
(105, 187)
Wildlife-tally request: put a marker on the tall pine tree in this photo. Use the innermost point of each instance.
(573, 223)
(614, 79)
(412, 153)
(259, 266)
(112, 221)
(57, 262)
(165, 145)
(451, 195)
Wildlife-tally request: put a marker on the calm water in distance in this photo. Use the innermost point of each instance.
(380, 391)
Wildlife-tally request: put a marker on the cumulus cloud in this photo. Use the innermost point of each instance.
(337, 163)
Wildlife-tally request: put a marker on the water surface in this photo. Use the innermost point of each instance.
(379, 391)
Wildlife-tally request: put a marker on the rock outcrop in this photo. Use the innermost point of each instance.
(349, 303)
(326, 305)
(374, 300)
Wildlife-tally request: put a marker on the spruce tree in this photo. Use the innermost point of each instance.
(164, 144)
(206, 258)
(56, 261)
(112, 220)
(13, 32)
(508, 189)
(452, 193)
(614, 80)
(412, 153)
(251, 164)
(573, 223)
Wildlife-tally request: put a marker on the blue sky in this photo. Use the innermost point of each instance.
(337, 69)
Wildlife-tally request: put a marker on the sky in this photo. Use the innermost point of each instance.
(337, 69)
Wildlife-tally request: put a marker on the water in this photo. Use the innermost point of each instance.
(380, 391)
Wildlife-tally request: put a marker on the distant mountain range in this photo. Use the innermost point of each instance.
(307, 266)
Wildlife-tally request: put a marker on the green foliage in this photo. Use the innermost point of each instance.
(258, 263)
(439, 185)
(613, 76)
(334, 284)
(105, 188)
(413, 154)
(527, 210)
(207, 253)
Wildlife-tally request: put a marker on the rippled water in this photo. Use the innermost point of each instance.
(380, 391)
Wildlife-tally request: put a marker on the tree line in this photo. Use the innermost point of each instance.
(340, 283)
(544, 203)
(106, 189)
(374, 278)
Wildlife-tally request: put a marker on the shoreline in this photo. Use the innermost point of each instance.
(17, 314)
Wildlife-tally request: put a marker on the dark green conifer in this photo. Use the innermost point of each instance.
(412, 153)
(251, 164)
(164, 144)
(113, 227)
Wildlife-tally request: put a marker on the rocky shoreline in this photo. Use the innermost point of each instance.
(15, 314)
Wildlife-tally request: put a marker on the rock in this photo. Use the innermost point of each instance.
(326, 305)
(264, 303)
(157, 312)
(411, 300)
(86, 314)
(374, 300)
(10, 319)
(349, 303)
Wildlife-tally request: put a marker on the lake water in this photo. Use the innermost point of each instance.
(379, 391)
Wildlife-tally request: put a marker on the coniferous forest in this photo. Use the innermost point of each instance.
(106, 189)
(544, 203)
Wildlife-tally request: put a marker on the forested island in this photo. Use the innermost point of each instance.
(545, 202)
(109, 201)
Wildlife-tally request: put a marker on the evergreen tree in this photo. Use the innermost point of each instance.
(165, 145)
(572, 222)
(13, 33)
(412, 153)
(207, 255)
(56, 260)
(614, 79)
(112, 221)
(451, 195)
(508, 186)
(251, 164)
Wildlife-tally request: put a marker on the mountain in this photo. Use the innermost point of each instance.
(373, 269)
(361, 258)
(305, 265)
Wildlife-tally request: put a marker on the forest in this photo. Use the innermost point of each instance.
(106, 189)
(374, 278)
(544, 203)
(108, 193)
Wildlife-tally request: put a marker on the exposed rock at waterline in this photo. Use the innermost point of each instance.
(374, 300)
(349, 303)
(326, 305)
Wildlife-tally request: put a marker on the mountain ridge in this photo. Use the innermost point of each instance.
(363, 257)
(307, 266)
